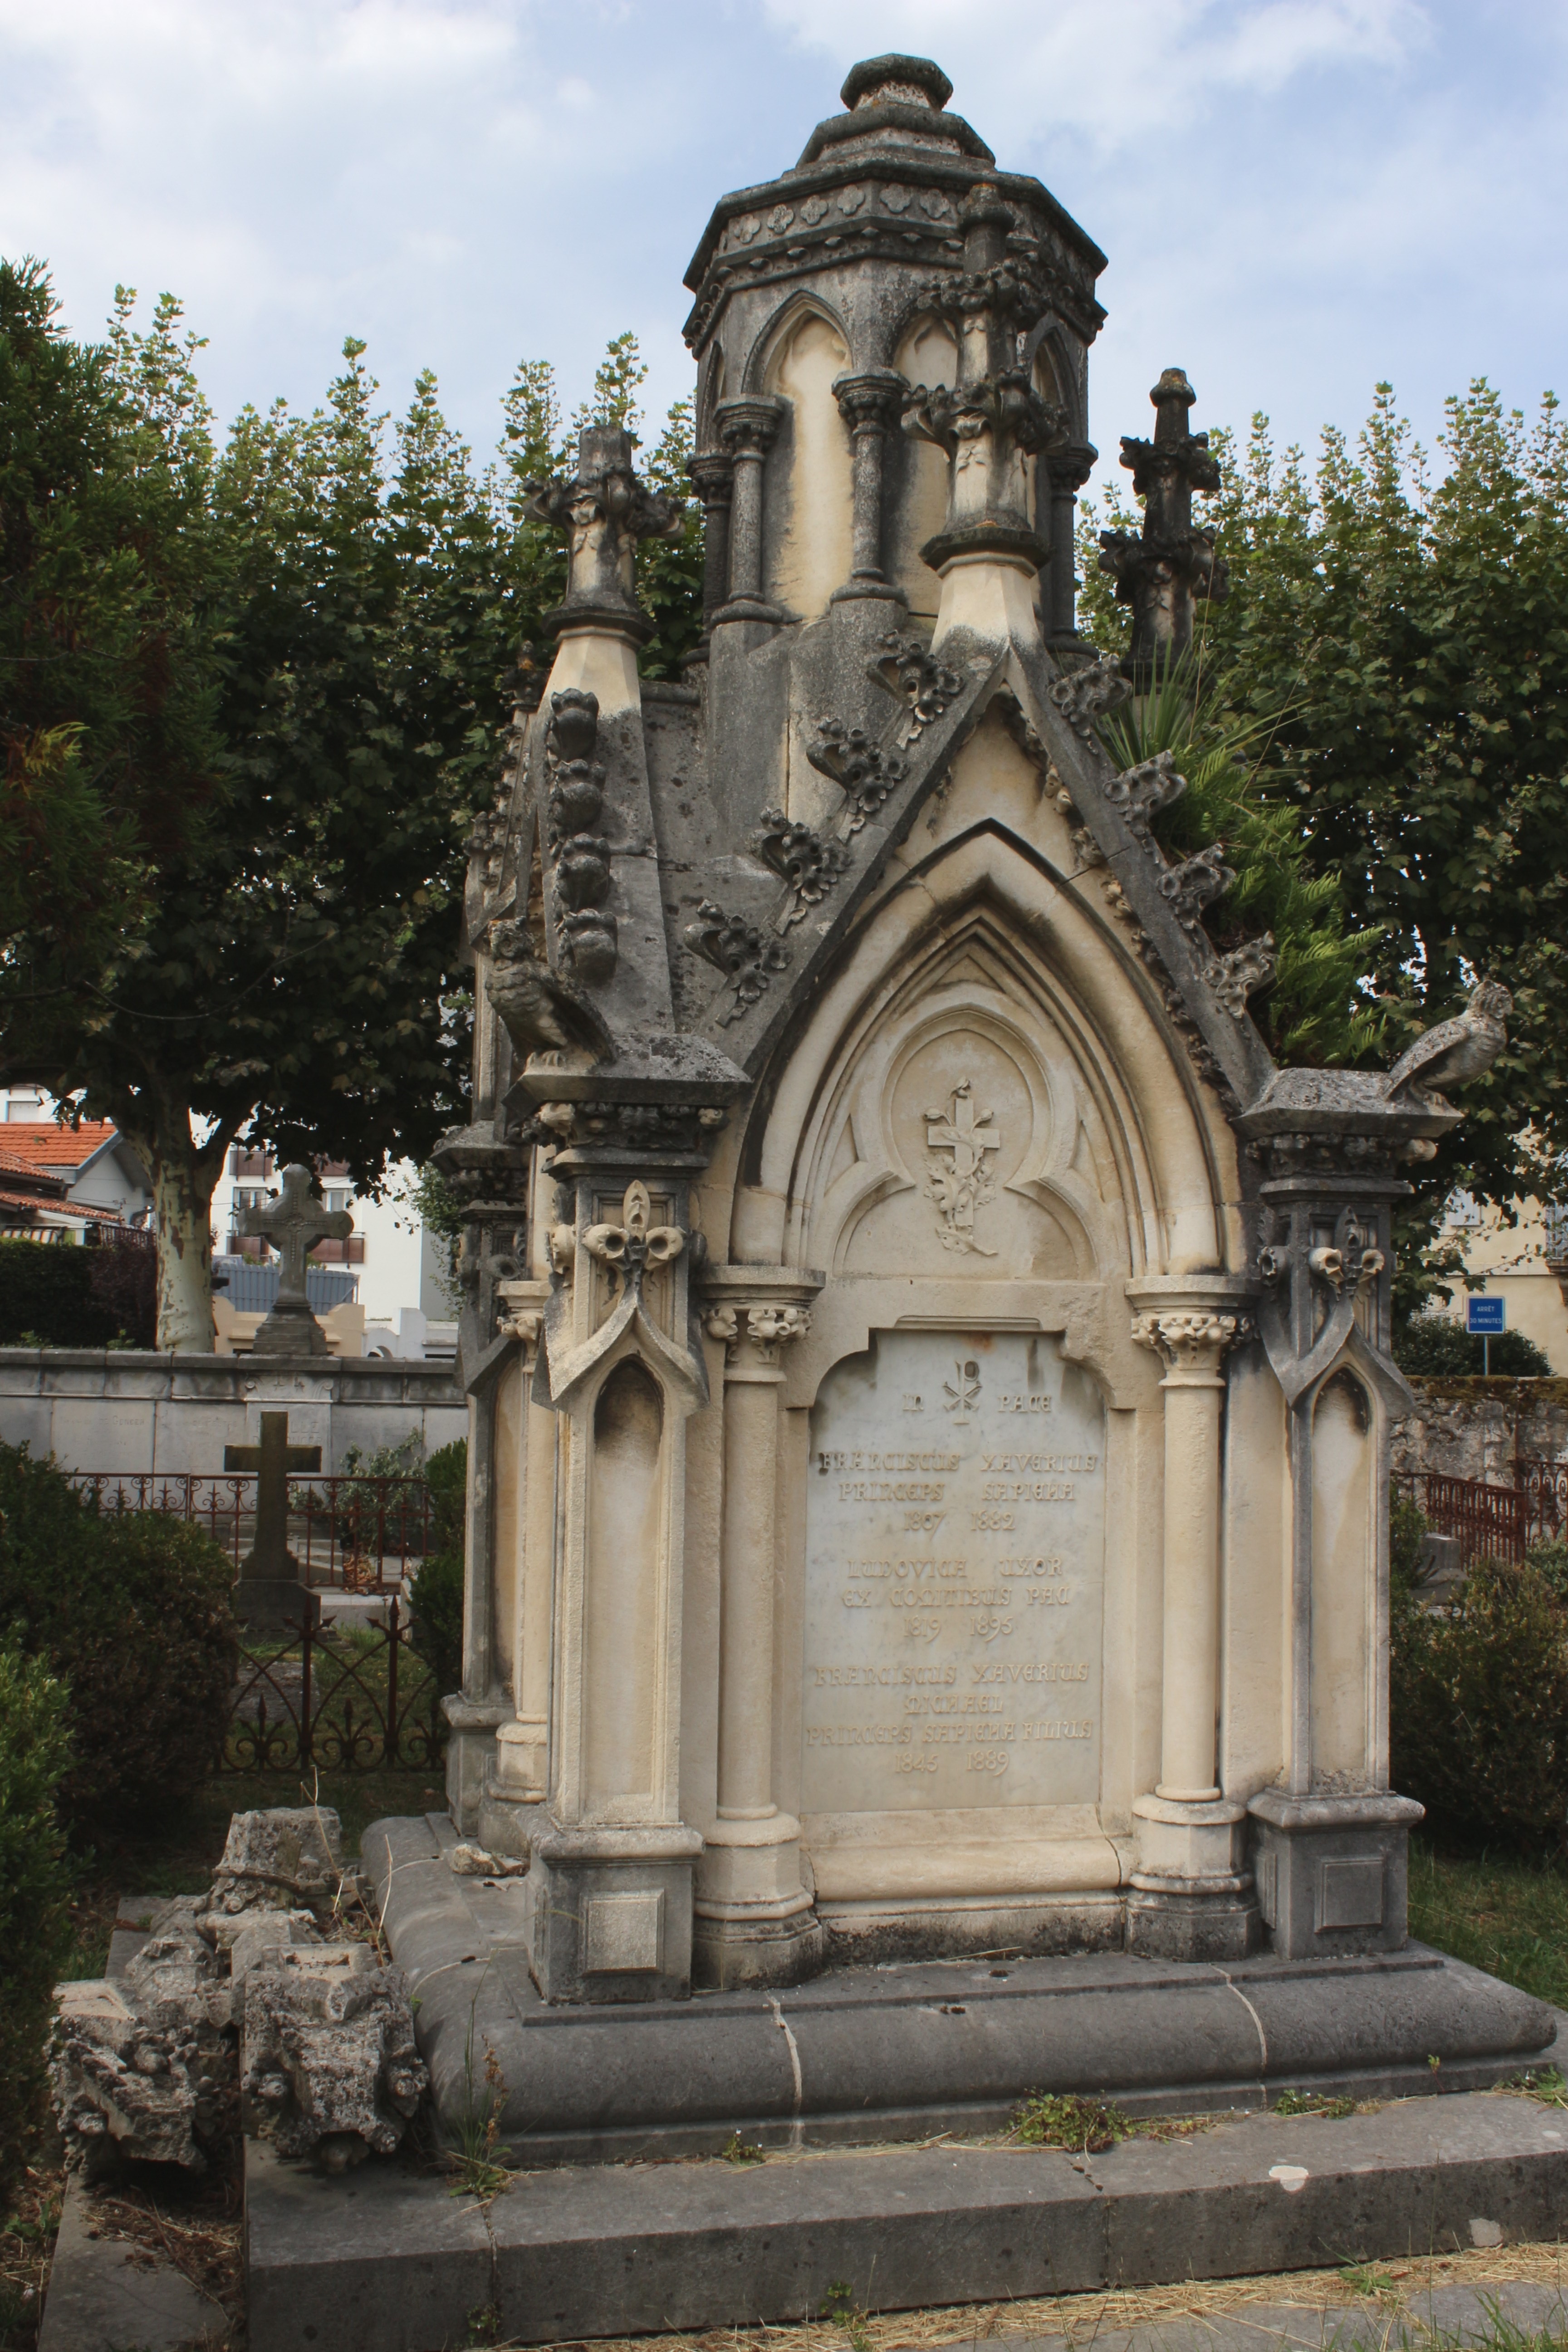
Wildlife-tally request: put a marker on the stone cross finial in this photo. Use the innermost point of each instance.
(1162, 569)
(294, 1222)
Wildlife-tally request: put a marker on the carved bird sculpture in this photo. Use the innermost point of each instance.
(542, 1013)
(1456, 1050)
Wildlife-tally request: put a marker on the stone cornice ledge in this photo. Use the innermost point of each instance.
(1277, 1807)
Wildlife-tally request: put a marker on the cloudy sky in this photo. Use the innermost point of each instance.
(1297, 196)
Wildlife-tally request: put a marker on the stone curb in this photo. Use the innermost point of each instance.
(99, 2301)
(387, 2262)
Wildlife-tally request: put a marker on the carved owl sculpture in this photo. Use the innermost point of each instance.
(540, 1012)
(1456, 1050)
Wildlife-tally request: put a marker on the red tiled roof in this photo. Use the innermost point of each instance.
(47, 1187)
(39, 1143)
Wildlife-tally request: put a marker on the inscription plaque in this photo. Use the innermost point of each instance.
(955, 1569)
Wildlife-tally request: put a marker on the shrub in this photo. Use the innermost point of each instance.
(131, 1611)
(1479, 1709)
(435, 1599)
(34, 1885)
(54, 1295)
(1438, 1346)
(447, 1475)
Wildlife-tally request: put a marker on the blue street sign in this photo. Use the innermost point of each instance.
(1487, 1317)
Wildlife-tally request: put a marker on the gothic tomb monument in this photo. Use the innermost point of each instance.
(928, 1370)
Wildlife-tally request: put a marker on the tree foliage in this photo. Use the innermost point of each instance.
(329, 609)
(1395, 639)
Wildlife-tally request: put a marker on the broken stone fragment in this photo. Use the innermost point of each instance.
(328, 2063)
(280, 1860)
(125, 2086)
(474, 1862)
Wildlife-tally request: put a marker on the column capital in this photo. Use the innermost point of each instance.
(1190, 1321)
(1070, 465)
(871, 400)
(747, 426)
(757, 1310)
(712, 477)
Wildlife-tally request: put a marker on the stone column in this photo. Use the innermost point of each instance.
(746, 428)
(1191, 1900)
(515, 1781)
(713, 478)
(755, 1923)
(871, 405)
(1066, 469)
(489, 1175)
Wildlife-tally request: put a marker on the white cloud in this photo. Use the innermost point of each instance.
(1112, 69)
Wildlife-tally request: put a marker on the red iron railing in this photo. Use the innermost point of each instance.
(1491, 1522)
(359, 1534)
(357, 1698)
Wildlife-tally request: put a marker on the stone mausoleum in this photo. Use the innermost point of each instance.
(928, 1367)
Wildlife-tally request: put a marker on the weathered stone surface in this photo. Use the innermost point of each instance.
(146, 2064)
(105, 2294)
(620, 2250)
(329, 2064)
(125, 2086)
(287, 1857)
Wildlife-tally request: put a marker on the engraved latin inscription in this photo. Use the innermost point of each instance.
(955, 1573)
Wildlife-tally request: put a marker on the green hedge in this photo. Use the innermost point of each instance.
(1478, 1706)
(35, 1885)
(57, 1295)
(131, 1611)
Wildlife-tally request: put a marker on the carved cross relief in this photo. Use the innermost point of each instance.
(961, 1185)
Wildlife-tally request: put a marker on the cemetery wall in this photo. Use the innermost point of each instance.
(1474, 1428)
(124, 1410)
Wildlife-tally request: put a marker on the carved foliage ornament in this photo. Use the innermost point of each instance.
(811, 866)
(864, 771)
(907, 668)
(1141, 792)
(630, 1248)
(580, 858)
(1189, 1339)
(1006, 405)
(767, 1327)
(746, 957)
(1088, 694)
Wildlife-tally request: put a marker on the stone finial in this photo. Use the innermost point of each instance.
(604, 510)
(1163, 569)
(896, 80)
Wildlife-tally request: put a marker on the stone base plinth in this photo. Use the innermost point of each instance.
(609, 1913)
(894, 2051)
(276, 1603)
(1332, 1871)
(470, 1753)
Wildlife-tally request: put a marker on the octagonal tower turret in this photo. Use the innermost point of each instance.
(824, 299)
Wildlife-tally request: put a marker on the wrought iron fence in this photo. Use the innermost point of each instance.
(1491, 1522)
(346, 1697)
(1544, 1485)
(357, 1534)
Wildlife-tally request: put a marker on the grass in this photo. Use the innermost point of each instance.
(1499, 1912)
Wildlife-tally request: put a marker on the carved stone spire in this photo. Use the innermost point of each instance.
(604, 510)
(1162, 570)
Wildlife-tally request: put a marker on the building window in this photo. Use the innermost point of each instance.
(339, 1200)
(1462, 1208)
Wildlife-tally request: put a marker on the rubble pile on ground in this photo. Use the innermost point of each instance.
(253, 1991)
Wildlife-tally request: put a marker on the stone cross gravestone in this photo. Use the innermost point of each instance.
(294, 1222)
(271, 1588)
